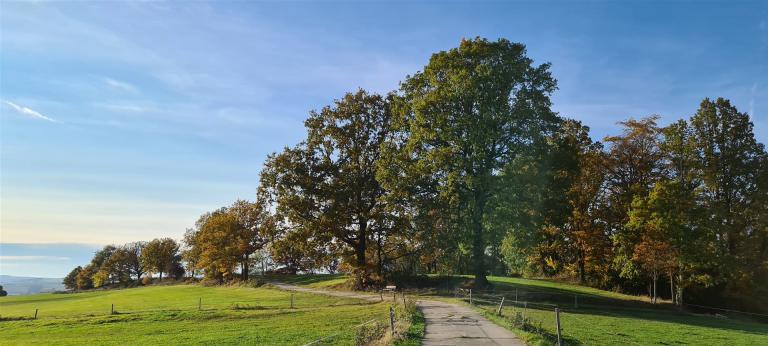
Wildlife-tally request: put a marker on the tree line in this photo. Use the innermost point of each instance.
(465, 169)
(128, 264)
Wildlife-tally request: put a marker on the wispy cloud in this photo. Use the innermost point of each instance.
(122, 86)
(34, 258)
(29, 112)
(123, 107)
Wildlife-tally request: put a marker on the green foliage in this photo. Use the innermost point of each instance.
(467, 114)
(3, 293)
(466, 169)
(160, 256)
(70, 281)
(326, 187)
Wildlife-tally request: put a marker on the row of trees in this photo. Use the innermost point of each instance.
(686, 202)
(466, 169)
(128, 264)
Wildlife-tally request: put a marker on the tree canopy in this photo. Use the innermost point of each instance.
(465, 169)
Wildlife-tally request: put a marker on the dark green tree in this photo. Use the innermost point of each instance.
(160, 256)
(327, 184)
(469, 113)
(70, 281)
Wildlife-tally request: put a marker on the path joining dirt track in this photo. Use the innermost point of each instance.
(447, 324)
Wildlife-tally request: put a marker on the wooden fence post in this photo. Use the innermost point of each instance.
(112, 312)
(525, 307)
(381, 295)
(404, 304)
(501, 305)
(35, 313)
(515, 295)
(200, 304)
(470, 296)
(392, 319)
(557, 320)
(291, 300)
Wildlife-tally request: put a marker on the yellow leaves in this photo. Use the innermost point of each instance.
(550, 262)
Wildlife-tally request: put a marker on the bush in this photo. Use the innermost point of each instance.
(147, 280)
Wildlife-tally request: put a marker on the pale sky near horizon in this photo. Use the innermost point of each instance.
(124, 121)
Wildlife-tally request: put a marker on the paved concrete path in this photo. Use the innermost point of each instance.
(453, 324)
(447, 324)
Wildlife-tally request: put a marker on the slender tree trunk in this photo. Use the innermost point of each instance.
(672, 287)
(246, 269)
(380, 259)
(680, 289)
(655, 279)
(582, 274)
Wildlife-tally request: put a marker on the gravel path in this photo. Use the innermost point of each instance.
(447, 324)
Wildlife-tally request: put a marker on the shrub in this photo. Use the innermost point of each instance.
(147, 280)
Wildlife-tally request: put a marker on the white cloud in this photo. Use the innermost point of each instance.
(122, 86)
(123, 107)
(29, 112)
(33, 258)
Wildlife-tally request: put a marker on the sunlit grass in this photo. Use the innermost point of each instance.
(170, 315)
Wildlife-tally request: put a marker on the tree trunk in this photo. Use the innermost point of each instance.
(246, 269)
(361, 245)
(672, 287)
(380, 259)
(478, 243)
(161, 276)
(582, 275)
(680, 289)
(655, 279)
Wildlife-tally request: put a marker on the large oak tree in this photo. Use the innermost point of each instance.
(470, 112)
(327, 185)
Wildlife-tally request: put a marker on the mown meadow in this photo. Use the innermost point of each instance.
(174, 314)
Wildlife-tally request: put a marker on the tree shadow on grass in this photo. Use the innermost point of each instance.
(302, 279)
(577, 302)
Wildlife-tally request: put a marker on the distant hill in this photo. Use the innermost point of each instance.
(20, 285)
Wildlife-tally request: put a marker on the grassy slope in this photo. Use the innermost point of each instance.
(310, 280)
(609, 318)
(168, 314)
(603, 317)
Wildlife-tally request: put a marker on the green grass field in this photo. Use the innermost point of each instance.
(594, 317)
(602, 317)
(244, 315)
(169, 315)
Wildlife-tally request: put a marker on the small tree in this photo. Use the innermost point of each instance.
(70, 281)
(3, 293)
(132, 252)
(159, 255)
(83, 279)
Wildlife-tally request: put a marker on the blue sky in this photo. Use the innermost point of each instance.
(125, 121)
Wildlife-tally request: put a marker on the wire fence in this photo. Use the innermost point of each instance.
(561, 318)
(396, 324)
(202, 304)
